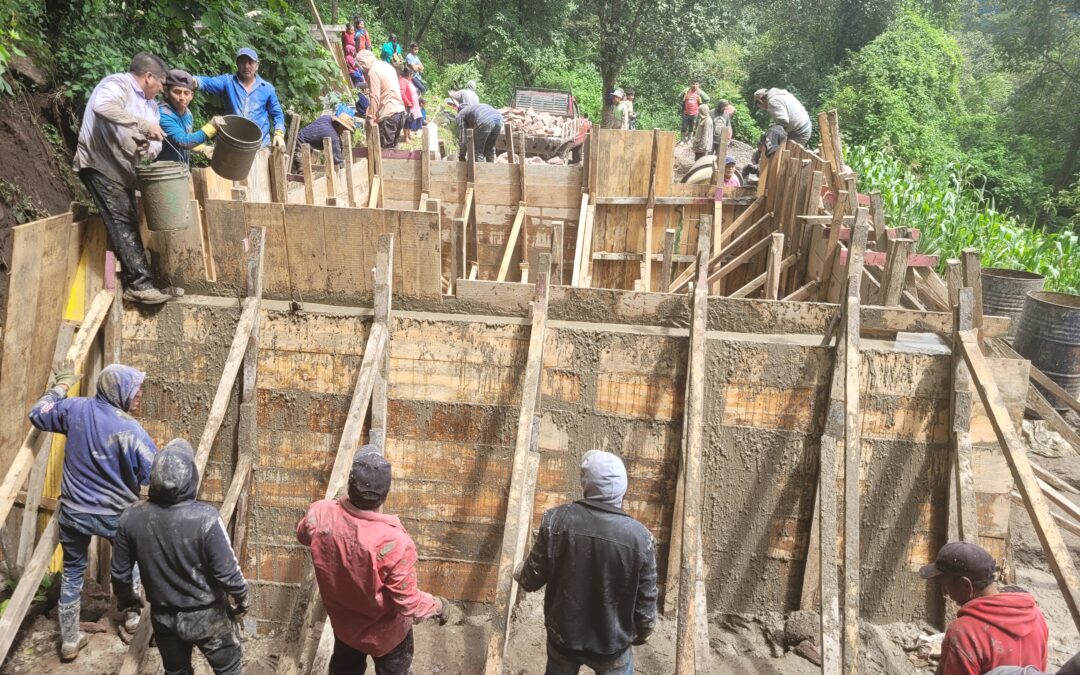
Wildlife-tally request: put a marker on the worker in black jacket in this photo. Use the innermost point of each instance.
(486, 124)
(599, 565)
(187, 565)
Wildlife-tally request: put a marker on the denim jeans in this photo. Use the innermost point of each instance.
(688, 124)
(561, 663)
(75, 531)
(349, 661)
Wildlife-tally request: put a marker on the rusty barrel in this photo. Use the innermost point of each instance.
(1004, 292)
(1049, 337)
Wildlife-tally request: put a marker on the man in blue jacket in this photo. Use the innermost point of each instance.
(249, 96)
(107, 459)
(177, 122)
(189, 569)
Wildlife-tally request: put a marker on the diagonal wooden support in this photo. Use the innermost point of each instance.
(511, 242)
(519, 505)
(24, 459)
(579, 243)
(1057, 555)
(690, 654)
(646, 258)
(740, 226)
(308, 610)
(27, 587)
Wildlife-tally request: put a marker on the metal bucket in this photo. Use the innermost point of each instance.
(1004, 292)
(166, 197)
(1049, 336)
(235, 147)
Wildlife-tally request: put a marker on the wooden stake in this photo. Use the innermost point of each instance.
(511, 242)
(772, 269)
(669, 253)
(892, 282)
(1057, 555)
(579, 244)
(309, 179)
(346, 154)
(963, 508)
(646, 260)
(522, 476)
(687, 650)
(27, 587)
(330, 169)
(384, 275)
(973, 280)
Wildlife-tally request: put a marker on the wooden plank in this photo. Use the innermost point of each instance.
(27, 587)
(772, 270)
(1053, 388)
(963, 506)
(1057, 555)
(691, 473)
(669, 251)
(511, 242)
(1046, 412)
(330, 169)
(384, 275)
(309, 178)
(306, 248)
(973, 279)
(579, 244)
(744, 218)
(740, 259)
(759, 281)
(892, 283)
(519, 503)
(350, 180)
(839, 211)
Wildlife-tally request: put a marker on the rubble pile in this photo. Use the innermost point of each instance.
(534, 123)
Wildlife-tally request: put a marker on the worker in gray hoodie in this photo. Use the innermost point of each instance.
(599, 566)
(786, 112)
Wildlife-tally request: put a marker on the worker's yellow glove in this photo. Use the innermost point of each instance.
(279, 140)
(65, 376)
(207, 150)
(208, 129)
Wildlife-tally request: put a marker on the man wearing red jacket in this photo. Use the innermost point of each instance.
(992, 628)
(365, 565)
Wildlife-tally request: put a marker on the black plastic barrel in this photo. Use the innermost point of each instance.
(235, 147)
(1049, 337)
(1004, 292)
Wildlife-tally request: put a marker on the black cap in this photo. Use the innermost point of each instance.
(961, 559)
(369, 479)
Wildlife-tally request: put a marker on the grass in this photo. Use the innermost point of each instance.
(953, 212)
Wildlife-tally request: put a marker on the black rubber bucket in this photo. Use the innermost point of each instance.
(1004, 292)
(166, 197)
(235, 147)
(1049, 337)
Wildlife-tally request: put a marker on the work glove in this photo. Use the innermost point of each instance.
(213, 126)
(444, 610)
(65, 375)
(241, 607)
(641, 637)
(279, 140)
(205, 150)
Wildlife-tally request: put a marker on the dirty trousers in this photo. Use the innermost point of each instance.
(484, 139)
(76, 529)
(210, 629)
(349, 661)
(117, 206)
(560, 662)
(390, 130)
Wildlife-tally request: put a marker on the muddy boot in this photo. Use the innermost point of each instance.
(131, 620)
(147, 296)
(71, 639)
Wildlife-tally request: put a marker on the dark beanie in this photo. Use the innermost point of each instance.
(369, 479)
(179, 78)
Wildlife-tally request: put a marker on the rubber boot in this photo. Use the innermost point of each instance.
(131, 620)
(71, 639)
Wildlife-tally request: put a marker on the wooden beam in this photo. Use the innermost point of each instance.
(1037, 376)
(1046, 412)
(307, 170)
(279, 166)
(646, 263)
(27, 587)
(804, 291)
(384, 275)
(508, 132)
(973, 279)
(1052, 479)
(896, 265)
(220, 405)
(1063, 522)
(759, 281)
(290, 142)
(772, 269)
(737, 226)
(687, 649)
(1058, 556)
(669, 252)
(350, 181)
(425, 162)
(520, 502)
(586, 261)
(579, 243)
(521, 168)
(23, 462)
(375, 167)
(374, 190)
(839, 211)
(511, 242)
(963, 505)
(466, 217)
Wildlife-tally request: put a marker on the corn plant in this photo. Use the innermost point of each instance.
(953, 212)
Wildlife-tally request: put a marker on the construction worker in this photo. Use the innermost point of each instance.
(786, 112)
(465, 96)
(327, 126)
(107, 460)
(365, 565)
(731, 178)
(721, 121)
(1071, 667)
(177, 122)
(386, 109)
(486, 124)
(249, 96)
(689, 101)
(599, 566)
(992, 628)
(629, 103)
(622, 112)
(120, 128)
(703, 133)
(188, 566)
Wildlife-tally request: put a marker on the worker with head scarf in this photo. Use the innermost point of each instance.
(107, 460)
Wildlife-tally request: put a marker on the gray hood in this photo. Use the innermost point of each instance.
(603, 477)
(173, 476)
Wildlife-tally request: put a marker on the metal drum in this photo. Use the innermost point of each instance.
(1004, 292)
(1049, 336)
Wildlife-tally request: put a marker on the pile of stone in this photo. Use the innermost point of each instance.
(534, 123)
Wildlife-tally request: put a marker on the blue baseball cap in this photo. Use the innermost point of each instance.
(248, 52)
(729, 160)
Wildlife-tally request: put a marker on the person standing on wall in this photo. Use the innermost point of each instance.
(187, 563)
(121, 127)
(486, 124)
(365, 565)
(107, 459)
(249, 96)
(690, 100)
(703, 133)
(384, 93)
(786, 112)
(599, 566)
(177, 122)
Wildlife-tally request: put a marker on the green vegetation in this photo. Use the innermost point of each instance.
(977, 98)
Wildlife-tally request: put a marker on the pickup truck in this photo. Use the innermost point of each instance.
(552, 122)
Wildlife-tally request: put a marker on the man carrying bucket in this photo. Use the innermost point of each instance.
(249, 96)
(120, 128)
